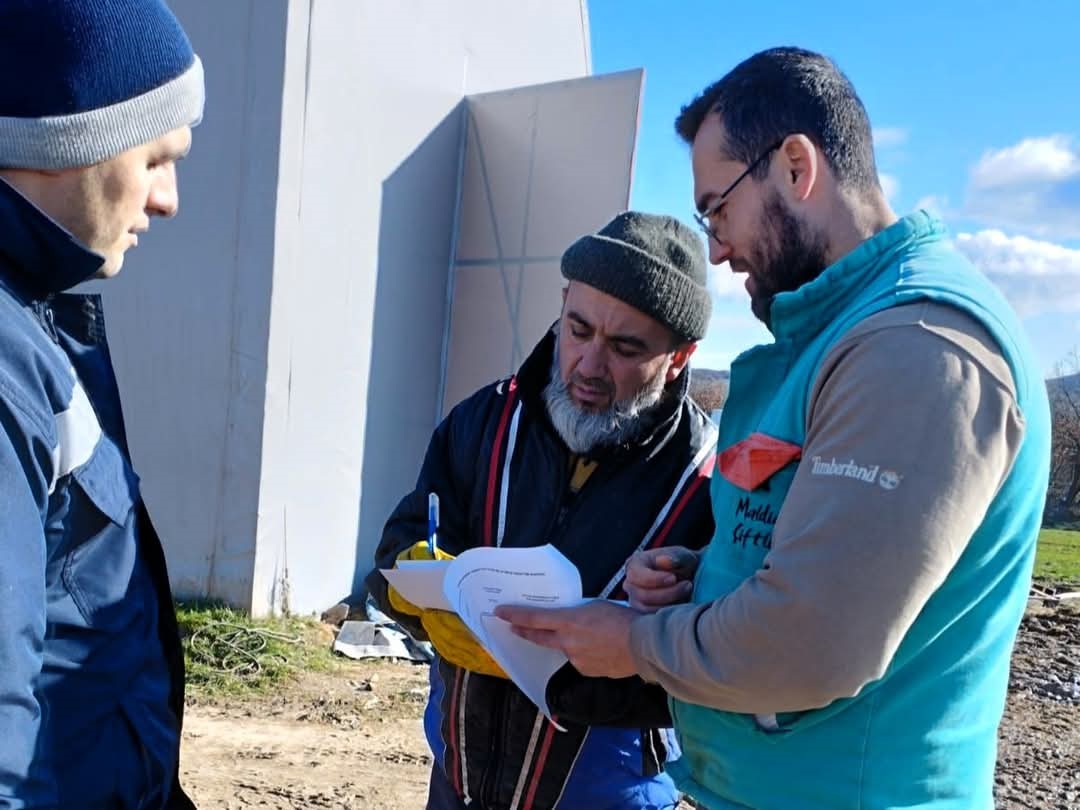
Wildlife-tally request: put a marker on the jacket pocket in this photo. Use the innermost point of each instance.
(99, 570)
(753, 461)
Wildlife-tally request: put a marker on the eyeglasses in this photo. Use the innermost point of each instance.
(704, 217)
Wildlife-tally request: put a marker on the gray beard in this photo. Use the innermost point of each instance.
(582, 430)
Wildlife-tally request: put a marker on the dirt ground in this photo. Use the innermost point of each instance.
(354, 740)
(348, 740)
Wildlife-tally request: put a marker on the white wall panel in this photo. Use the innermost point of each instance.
(543, 165)
(280, 346)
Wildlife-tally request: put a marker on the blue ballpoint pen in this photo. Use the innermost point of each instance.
(432, 523)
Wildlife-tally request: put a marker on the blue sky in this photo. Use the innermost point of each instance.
(976, 112)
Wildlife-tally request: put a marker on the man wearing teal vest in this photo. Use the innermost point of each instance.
(844, 640)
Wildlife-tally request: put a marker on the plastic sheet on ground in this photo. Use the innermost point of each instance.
(379, 637)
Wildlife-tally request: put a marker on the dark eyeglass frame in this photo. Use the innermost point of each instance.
(702, 219)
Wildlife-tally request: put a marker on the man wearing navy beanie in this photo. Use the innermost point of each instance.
(96, 107)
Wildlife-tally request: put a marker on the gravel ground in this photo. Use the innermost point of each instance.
(1039, 741)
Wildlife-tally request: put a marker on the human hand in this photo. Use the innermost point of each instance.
(660, 577)
(595, 636)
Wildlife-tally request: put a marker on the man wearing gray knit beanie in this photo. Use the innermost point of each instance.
(91, 669)
(594, 447)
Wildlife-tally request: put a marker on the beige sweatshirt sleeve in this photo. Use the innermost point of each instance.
(921, 391)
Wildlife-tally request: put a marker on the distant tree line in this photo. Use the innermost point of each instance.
(708, 388)
(1063, 497)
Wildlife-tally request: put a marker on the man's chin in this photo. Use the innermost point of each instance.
(110, 267)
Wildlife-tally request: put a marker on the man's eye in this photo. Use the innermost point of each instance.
(626, 351)
(580, 334)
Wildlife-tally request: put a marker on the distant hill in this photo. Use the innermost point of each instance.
(708, 388)
(1070, 383)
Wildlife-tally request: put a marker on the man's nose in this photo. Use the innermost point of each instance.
(719, 251)
(164, 198)
(593, 363)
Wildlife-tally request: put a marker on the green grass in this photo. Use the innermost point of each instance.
(227, 653)
(1058, 556)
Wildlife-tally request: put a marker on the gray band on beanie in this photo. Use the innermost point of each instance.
(655, 264)
(86, 138)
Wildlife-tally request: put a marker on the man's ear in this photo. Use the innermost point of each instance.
(679, 358)
(801, 164)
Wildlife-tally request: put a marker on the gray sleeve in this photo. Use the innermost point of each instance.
(921, 393)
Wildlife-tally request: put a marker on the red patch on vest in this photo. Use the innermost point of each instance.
(753, 461)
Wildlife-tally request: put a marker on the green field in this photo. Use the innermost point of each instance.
(1058, 557)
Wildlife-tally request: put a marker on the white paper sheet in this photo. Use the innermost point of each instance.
(481, 579)
(421, 582)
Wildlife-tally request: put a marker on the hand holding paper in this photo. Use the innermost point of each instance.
(480, 580)
(595, 636)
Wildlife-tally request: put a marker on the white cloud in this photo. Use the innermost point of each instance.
(1032, 186)
(732, 327)
(1032, 161)
(886, 137)
(889, 185)
(1037, 277)
(936, 204)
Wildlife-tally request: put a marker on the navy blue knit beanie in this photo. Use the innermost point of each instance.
(87, 79)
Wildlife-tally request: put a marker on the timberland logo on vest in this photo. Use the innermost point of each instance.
(886, 479)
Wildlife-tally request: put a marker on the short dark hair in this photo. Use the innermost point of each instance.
(787, 91)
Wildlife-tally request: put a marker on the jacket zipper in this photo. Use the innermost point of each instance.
(491, 780)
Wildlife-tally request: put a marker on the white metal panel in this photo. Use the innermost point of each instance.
(297, 307)
(360, 285)
(543, 165)
(188, 315)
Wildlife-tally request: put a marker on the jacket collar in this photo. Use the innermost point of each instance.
(801, 313)
(37, 256)
(661, 423)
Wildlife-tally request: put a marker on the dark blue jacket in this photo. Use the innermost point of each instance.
(91, 671)
(503, 476)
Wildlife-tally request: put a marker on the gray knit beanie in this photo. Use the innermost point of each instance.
(653, 263)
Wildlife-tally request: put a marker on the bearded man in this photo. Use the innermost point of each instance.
(879, 491)
(593, 447)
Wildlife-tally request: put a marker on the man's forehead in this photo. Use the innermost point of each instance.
(176, 143)
(609, 314)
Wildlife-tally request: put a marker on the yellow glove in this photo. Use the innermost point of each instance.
(418, 551)
(456, 643)
(451, 638)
